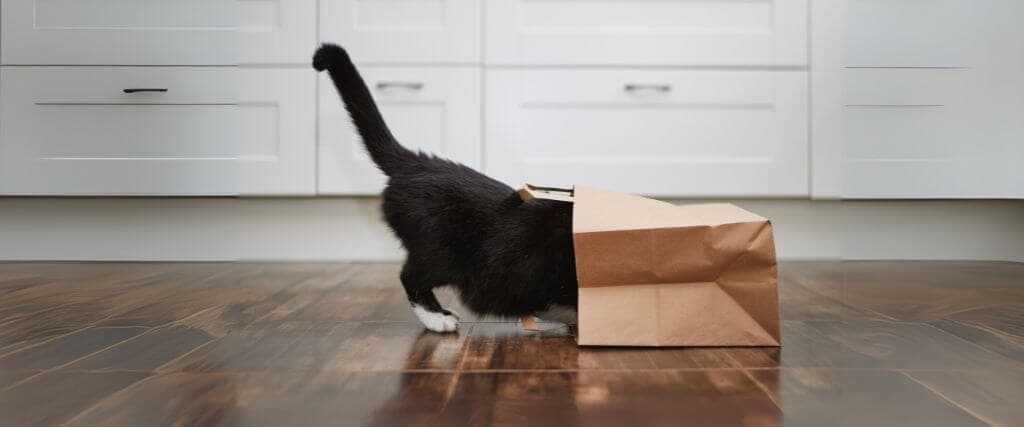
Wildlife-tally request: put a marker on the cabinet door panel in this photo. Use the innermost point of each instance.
(627, 32)
(435, 109)
(404, 31)
(75, 131)
(119, 32)
(278, 133)
(277, 31)
(662, 133)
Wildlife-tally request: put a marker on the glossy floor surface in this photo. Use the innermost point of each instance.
(864, 344)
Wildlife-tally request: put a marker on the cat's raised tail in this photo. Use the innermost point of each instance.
(384, 149)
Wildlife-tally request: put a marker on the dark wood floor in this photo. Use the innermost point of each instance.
(864, 344)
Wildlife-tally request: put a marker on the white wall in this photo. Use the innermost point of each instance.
(350, 229)
(972, 230)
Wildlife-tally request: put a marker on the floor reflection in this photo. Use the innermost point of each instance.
(492, 395)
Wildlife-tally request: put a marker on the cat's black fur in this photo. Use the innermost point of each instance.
(462, 228)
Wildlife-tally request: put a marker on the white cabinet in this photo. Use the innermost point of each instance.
(655, 132)
(277, 31)
(119, 32)
(666, 32)
(404, 31)
(278, 131)
(434, 109)
(118, 131)
(668, 97)
(932, 94)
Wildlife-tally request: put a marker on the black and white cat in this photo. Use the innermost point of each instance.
(507, 257)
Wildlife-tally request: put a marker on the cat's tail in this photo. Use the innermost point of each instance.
(384, 149)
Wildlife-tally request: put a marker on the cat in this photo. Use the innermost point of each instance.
(506, 257)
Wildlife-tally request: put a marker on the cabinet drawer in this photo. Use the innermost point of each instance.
(434, 109)
(404, 31)
(935, 33)
(662, 133)
(119, 32)
(74, 131)
(277, 31)
(904, 133)
(278, 132)
(670, 32)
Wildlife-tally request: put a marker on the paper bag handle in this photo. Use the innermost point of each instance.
(530, 192)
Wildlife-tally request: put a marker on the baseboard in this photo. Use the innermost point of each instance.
(350, 229)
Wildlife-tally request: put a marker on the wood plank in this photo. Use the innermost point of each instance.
(246, 292)
(42, 326)
(798, 302)
(920, 291)
(165, 400)
(145, 352)
(60, 285)
(395, 346)
(803, 345)
(999, 329)
(609, 398)
(11, 283)
(67, 348)
(869, 345)
(508, 346)
(308, 292)
(820, 397)
(53, 398)
(242, 351)
(66, 304)
(338, 347)
(887, 345)
(9, 378)
(502, 346)
(993, 396)
(277, 399)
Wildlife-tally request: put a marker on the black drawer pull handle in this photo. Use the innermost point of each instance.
(636, 87)
(400, 85)
(143, 89)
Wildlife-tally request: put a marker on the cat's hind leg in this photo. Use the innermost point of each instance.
(419, 287)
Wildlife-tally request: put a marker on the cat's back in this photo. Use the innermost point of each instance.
(442, 190)
(440, 180)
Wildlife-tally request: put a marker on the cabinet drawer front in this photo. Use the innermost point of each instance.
(905, 131)
(672, 32)
(662, 133)
(278, 133)
(277, 31)
(403, 31)
(74, 131)
(119, 32)
(434, 109)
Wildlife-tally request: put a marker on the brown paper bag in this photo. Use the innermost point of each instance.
(655, 274)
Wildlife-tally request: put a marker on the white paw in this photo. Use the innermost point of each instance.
(437, 322)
